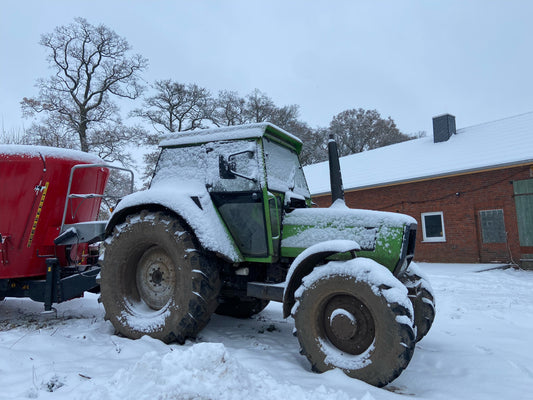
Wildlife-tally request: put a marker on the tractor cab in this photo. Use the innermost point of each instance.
(253, 177)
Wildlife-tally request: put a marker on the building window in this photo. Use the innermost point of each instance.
(492, 226)
(433, 227)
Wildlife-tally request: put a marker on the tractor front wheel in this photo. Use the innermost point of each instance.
(156, 280)
(422, 298)
(348, 317)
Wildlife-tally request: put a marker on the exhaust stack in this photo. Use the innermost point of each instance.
(335, 177)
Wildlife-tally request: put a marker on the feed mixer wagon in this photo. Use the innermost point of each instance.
(43, 191)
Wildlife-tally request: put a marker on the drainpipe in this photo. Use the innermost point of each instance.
(335, 177)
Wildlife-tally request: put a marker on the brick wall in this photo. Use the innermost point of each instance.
(460, 198)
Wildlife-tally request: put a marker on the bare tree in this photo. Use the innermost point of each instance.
(47, 133)
(357, 130)
(230, 109)
(111, 140)
(315, 144)
(259, 107)
(13, 136)
(176, 107)
(91, 65)
(418, 134)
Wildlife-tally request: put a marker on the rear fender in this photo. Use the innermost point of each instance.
(192, 204)
(307, 261)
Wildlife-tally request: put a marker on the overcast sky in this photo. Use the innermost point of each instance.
(410, 60)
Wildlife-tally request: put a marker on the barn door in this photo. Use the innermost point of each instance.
(523, 194)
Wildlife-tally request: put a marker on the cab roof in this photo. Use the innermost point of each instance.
(236, 132)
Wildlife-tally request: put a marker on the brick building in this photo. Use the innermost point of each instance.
(471, 190)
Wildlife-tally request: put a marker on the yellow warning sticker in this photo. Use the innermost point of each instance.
(37, 216)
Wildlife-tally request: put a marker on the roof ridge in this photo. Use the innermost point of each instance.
(496, 120)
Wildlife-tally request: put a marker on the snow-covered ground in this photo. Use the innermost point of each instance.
(480, 347)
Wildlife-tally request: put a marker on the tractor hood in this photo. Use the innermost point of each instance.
(306, 227)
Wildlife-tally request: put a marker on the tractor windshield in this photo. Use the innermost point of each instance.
(223, 166)
(284, 171)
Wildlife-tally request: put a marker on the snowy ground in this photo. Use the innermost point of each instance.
(480, 347)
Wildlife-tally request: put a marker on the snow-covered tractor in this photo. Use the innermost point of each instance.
(227, 225)
(49, 203)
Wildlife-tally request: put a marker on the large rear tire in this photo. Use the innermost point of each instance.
(346, 320)
(156, 280)
(422, 298)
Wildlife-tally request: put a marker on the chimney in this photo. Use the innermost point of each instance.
(443, 127)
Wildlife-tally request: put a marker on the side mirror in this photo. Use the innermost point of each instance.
(228, 167)
(225, 168)
(294, 203)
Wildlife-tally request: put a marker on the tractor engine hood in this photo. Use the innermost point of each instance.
(305, 227)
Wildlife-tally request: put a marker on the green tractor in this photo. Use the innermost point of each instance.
(227, 225)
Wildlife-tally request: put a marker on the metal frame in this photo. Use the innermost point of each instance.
(92, 195)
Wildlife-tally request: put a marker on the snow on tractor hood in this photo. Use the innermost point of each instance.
(192, 202)
(305, 227)
(339, 214)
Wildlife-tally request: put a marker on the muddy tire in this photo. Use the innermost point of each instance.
(422, 298)
(156, 280)
(238, 307)
(343, 321)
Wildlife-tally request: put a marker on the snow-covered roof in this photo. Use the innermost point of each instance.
(498, 144)
(235, 132)
(45, 151)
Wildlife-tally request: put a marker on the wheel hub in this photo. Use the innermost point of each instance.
(155, 278)
(343, 324)
(348, 324)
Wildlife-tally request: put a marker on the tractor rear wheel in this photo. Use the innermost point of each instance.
(156, 280)
(422, 298)
(239, 307)
(344, 320)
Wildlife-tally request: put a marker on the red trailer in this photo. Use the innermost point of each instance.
(43, 192)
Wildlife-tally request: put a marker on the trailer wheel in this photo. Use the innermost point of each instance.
(343, 321)
(238, 307)
(422, 298)
(156, 280)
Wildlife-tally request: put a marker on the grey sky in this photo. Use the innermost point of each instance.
(410, 60)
